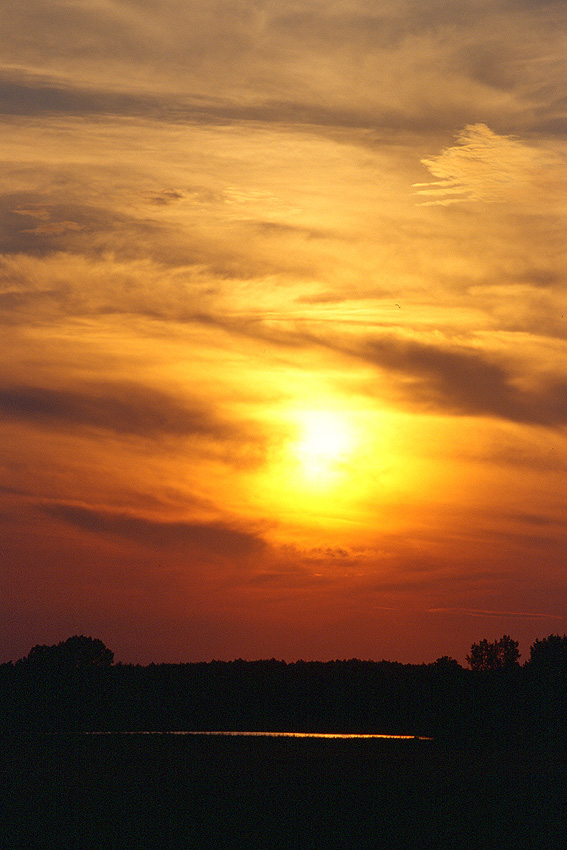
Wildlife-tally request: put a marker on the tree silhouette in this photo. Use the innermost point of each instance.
(496, 655)
(446, 663)
(549, 651)
(75, 653)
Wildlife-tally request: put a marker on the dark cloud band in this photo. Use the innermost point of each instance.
(214, 537)
(467, 383)
(121, 408)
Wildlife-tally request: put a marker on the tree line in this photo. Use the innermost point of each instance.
(75, 686)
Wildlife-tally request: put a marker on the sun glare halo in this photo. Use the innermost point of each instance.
(324, 443)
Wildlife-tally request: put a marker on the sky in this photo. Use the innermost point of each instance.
(283, 316)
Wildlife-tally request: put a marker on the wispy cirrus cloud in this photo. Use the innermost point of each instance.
(480, 612)
(393, 66)
(483, 166)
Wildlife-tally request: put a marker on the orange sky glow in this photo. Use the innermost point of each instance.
(284, 317)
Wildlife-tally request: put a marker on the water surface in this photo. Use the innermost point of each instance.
(338, 735)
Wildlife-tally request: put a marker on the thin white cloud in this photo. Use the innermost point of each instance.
(483, 612)
(481, 166)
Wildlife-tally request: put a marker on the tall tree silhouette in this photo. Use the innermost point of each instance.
(551, 650)
(496, 655)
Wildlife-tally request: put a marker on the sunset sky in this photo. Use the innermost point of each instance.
(284, 318)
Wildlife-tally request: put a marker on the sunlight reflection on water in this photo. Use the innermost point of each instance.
(341, 735)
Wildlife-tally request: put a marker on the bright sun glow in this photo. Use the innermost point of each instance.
(339, 470)
(324, 444)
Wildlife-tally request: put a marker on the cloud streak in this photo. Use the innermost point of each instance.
(215, 538)
(396, 66)
(463, 382)
(123, 408)
(482, 166)
(476, 612)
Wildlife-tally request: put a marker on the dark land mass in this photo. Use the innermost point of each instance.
(74, 776)
(172, 791)
(502, 707)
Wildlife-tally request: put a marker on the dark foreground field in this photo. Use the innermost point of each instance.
(70, 792)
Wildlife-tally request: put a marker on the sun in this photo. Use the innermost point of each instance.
(342, 469)
(321, 470)
(324, 443)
